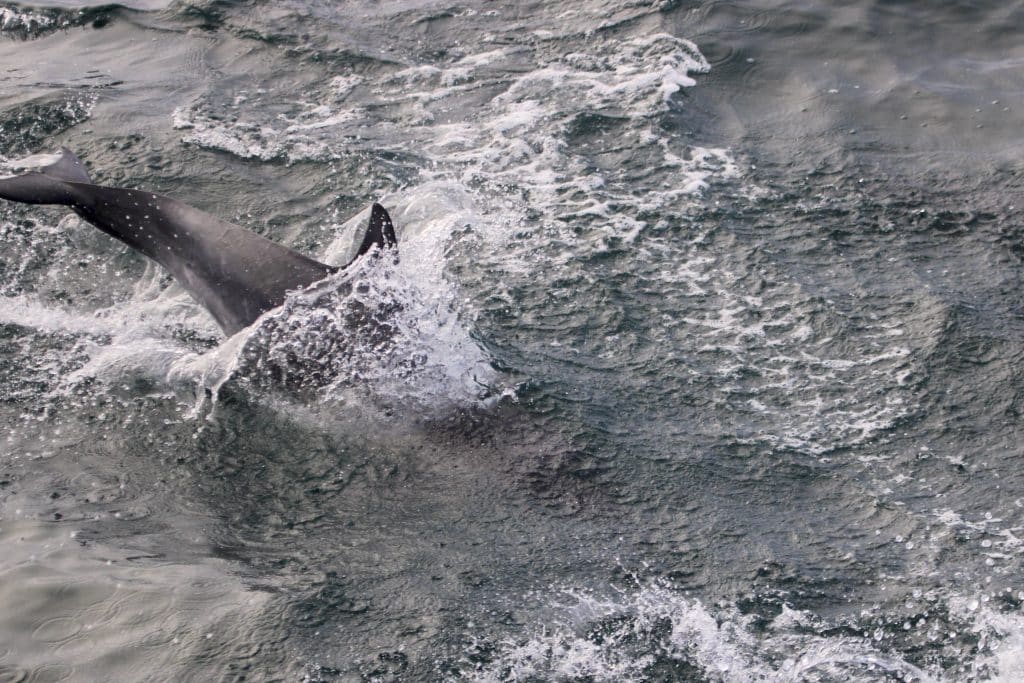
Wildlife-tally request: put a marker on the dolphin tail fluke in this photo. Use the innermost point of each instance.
(381, 232)
(46, 183)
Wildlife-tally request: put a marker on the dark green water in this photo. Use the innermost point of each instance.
(707, 364)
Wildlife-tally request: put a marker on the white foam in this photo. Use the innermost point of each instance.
(18, 18)
(1000, 634)
(637, 75)
(619, 638)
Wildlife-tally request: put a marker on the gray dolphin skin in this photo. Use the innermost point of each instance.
(235, 273)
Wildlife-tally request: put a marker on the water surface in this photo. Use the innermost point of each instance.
(707, 337)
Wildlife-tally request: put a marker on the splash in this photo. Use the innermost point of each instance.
(654, 631)
(23, 22)
(383, 331)
(371, 327)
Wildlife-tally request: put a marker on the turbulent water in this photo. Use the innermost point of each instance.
(701, 362)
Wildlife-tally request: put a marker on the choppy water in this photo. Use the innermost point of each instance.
(703, 357)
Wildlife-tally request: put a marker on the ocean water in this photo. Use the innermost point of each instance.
(702, 358)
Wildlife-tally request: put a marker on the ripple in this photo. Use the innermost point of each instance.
(57, 630)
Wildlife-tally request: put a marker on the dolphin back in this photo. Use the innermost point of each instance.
(235, 273)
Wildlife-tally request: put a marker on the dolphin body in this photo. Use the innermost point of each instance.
(235, 273)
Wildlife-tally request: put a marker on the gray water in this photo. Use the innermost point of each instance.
(706, 357)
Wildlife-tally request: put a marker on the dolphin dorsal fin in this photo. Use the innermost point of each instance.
(46, 179)
(61, 165)
(380, 233)
(67, 167)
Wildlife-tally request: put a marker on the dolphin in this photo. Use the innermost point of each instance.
(234, 273)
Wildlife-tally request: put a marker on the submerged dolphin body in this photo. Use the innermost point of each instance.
(235, 273)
